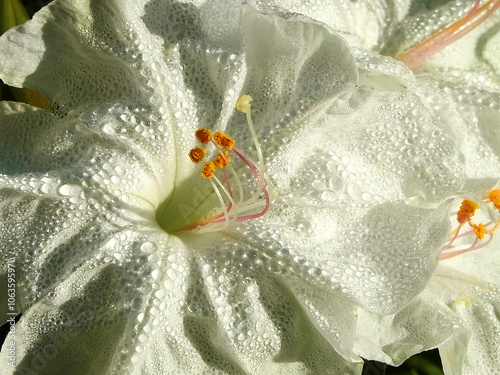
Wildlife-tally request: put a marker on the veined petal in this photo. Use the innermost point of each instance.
(363, 23)
(97, 302)
(100, 149)
(323, 69)
(330, 313)
(480, 353)
(254, 314)
(79, 53)
(423, 325)
(475, 303)
(468, 104)
(340, 206)
(73, 231)
(264, 47)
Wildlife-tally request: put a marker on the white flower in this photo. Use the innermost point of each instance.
(458, 311)
(125, 261)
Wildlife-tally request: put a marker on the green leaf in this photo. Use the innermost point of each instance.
(12, 14)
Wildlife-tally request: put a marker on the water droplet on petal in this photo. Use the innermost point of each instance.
(148, 247)
(69, 190)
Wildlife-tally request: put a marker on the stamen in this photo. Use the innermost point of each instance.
(197, 154)
(224, 141)
(264, 190)
(479, 231)
(208, 170)
(225, 210)
(222, 160)
(464, 216)
(494, 197)
(467, 210)
(203, 135)
(416, 55)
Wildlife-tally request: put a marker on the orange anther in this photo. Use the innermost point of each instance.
(479, 231)
(224, 141)
(208, 170)
(203, 135)
(222, 160)
(197, 154)
(494, 197)
(467, 210)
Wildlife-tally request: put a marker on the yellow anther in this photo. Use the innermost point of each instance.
(467, 210)
(224, 140)
(243, 103)
(208, 170)
(479, 231)
(222, 160)
(203, 135)
(494, 197)
(197, 154)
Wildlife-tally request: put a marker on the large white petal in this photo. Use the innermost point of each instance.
(79, 53)
(261, 316)
(106, 148)
(468, 105)
(424, 324)
(363, 23)
(476, 304)
(357, 227)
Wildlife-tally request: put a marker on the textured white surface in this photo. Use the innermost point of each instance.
(365, 160)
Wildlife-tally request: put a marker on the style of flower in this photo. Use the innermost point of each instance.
(453, 50)
(159, 224)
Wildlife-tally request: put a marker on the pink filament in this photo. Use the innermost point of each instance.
(456, 234)
(264, 190)
(416, 55)
(474, 246)
(226, 178)
(256, 174)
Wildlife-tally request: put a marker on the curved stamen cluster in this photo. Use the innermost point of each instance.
(464, 217)
(416, 55)
(234, 204)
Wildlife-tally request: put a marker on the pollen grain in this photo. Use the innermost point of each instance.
(467, 210)
(208, 170)
(224, 140)
(204, 135)
(222, 160)
(197, 154)
(494, 197)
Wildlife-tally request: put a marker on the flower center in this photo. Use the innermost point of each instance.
(464, 218)
(236, 201)
(416, 55)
